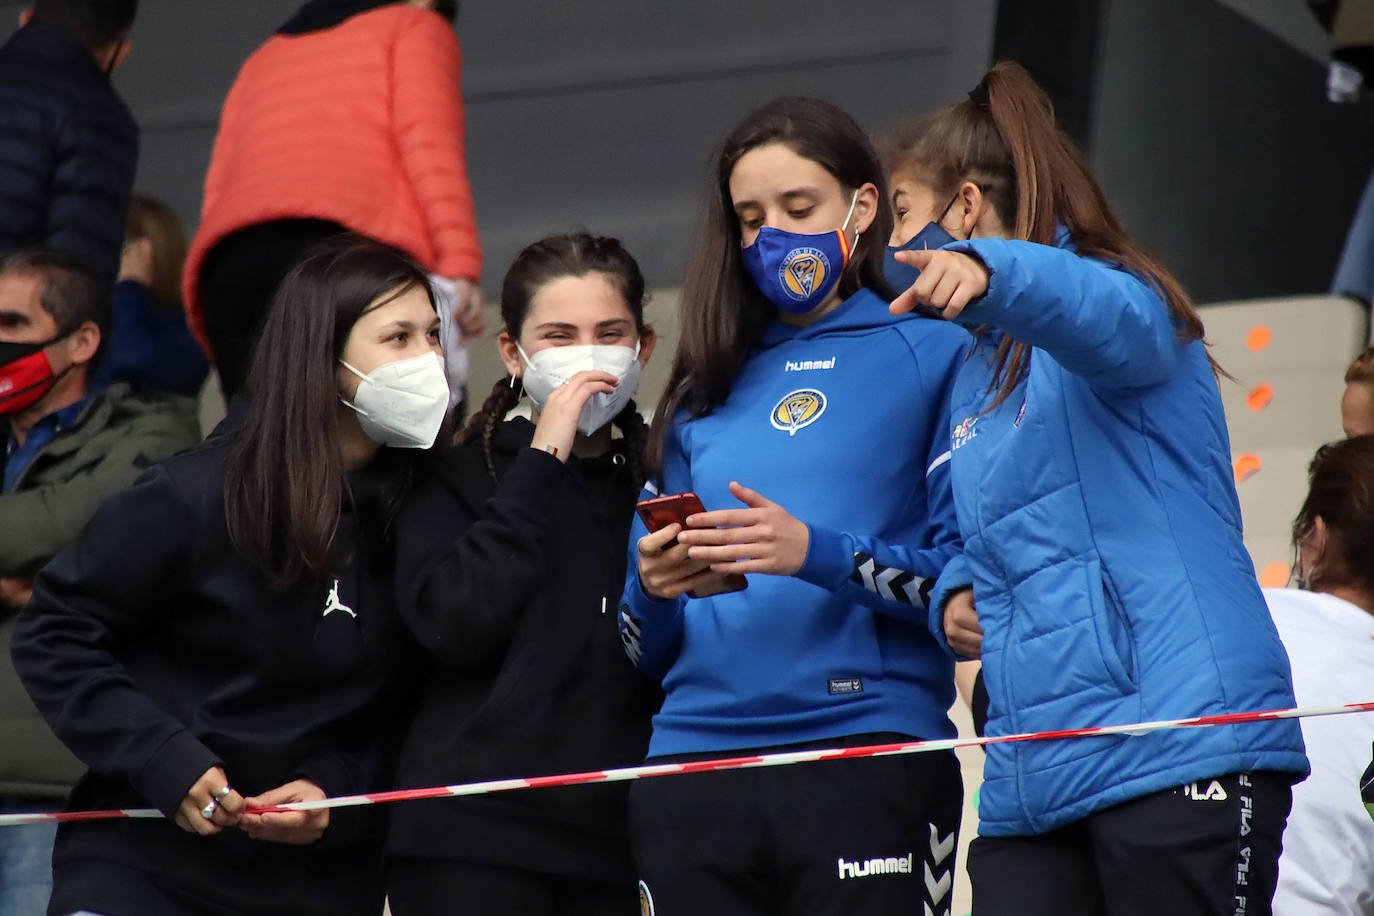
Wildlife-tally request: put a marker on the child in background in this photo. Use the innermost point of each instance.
(150, 346)
(1357, 403)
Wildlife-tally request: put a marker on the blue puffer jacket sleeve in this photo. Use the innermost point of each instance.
(954, 578)
(650, 628)
(1099, 322)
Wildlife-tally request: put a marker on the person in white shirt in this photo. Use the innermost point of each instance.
(1327, 625)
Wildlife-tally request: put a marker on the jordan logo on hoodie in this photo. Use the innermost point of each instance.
(332, 603)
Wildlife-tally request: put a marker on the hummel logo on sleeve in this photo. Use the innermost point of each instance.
(629, 636)
(890, 582)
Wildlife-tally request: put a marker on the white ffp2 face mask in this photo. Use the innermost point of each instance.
(402, 403)
(551, 367)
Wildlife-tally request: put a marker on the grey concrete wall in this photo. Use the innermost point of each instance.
(1290, 20)
(598, 114)
(1214, 141)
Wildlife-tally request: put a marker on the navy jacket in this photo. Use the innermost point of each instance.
(1102, 538)
(68, 148)
(149, 346)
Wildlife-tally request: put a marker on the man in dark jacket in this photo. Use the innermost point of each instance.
(64, 450)
(68, 145)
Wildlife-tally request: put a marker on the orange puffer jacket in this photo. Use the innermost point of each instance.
(360, 124)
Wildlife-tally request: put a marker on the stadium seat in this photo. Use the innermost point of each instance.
(1289, 357)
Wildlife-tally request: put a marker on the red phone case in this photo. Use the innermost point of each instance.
(662, 511)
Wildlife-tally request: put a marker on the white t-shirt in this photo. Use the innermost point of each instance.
(1328, 848)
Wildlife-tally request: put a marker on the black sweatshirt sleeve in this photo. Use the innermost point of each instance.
(462, 583)
(101, 589)
(349, 768)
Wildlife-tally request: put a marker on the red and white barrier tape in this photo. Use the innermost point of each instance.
(787, 758)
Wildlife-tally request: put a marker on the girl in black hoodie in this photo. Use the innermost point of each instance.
(222, 636)
(511, 563)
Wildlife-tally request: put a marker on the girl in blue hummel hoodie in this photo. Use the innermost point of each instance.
(1102, 538)
(782, 395)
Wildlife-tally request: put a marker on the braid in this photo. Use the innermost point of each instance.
(636, 433)
(483, 423)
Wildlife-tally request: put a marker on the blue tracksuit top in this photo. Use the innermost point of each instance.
(1102, 538)
(844, 424)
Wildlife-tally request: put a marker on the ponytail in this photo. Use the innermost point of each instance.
(1004, 139)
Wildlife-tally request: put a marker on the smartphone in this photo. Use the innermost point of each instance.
(662, 511)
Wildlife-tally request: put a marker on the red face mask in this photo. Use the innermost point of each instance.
(25, 374)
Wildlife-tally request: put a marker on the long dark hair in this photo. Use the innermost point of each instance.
(1007, 143)
(1341, 491)
(540, 264)
(723, 312)
(284, 480)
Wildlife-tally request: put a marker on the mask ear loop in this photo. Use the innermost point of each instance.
(844, 239)
(853, 202)
(365, 380)
(521, 350)
(1300, 581)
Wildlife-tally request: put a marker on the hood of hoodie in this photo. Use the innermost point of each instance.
(518, 432)
(861, 312)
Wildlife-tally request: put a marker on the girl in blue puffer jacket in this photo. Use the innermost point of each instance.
(1102, 535)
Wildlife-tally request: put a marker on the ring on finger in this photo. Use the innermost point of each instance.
(222, 794)
(209, 810)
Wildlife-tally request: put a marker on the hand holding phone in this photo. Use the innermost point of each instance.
(761, 537)
(665, 569)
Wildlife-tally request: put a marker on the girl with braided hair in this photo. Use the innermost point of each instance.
(512, 558)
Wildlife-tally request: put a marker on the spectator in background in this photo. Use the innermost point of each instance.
(350, 117)
(1357, 404)
(66, 448)
(1328, 631)
(68, 145)
(150, 346)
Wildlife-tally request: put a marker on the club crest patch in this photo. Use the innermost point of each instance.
(964, 433)
(646, 900)
(803, 272)
(798, 409)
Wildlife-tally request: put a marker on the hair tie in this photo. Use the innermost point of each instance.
(978, 95)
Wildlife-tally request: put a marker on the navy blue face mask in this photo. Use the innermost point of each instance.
(797, 271)
(901, 276)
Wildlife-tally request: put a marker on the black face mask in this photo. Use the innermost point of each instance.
(14, 351)
(25, 374)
